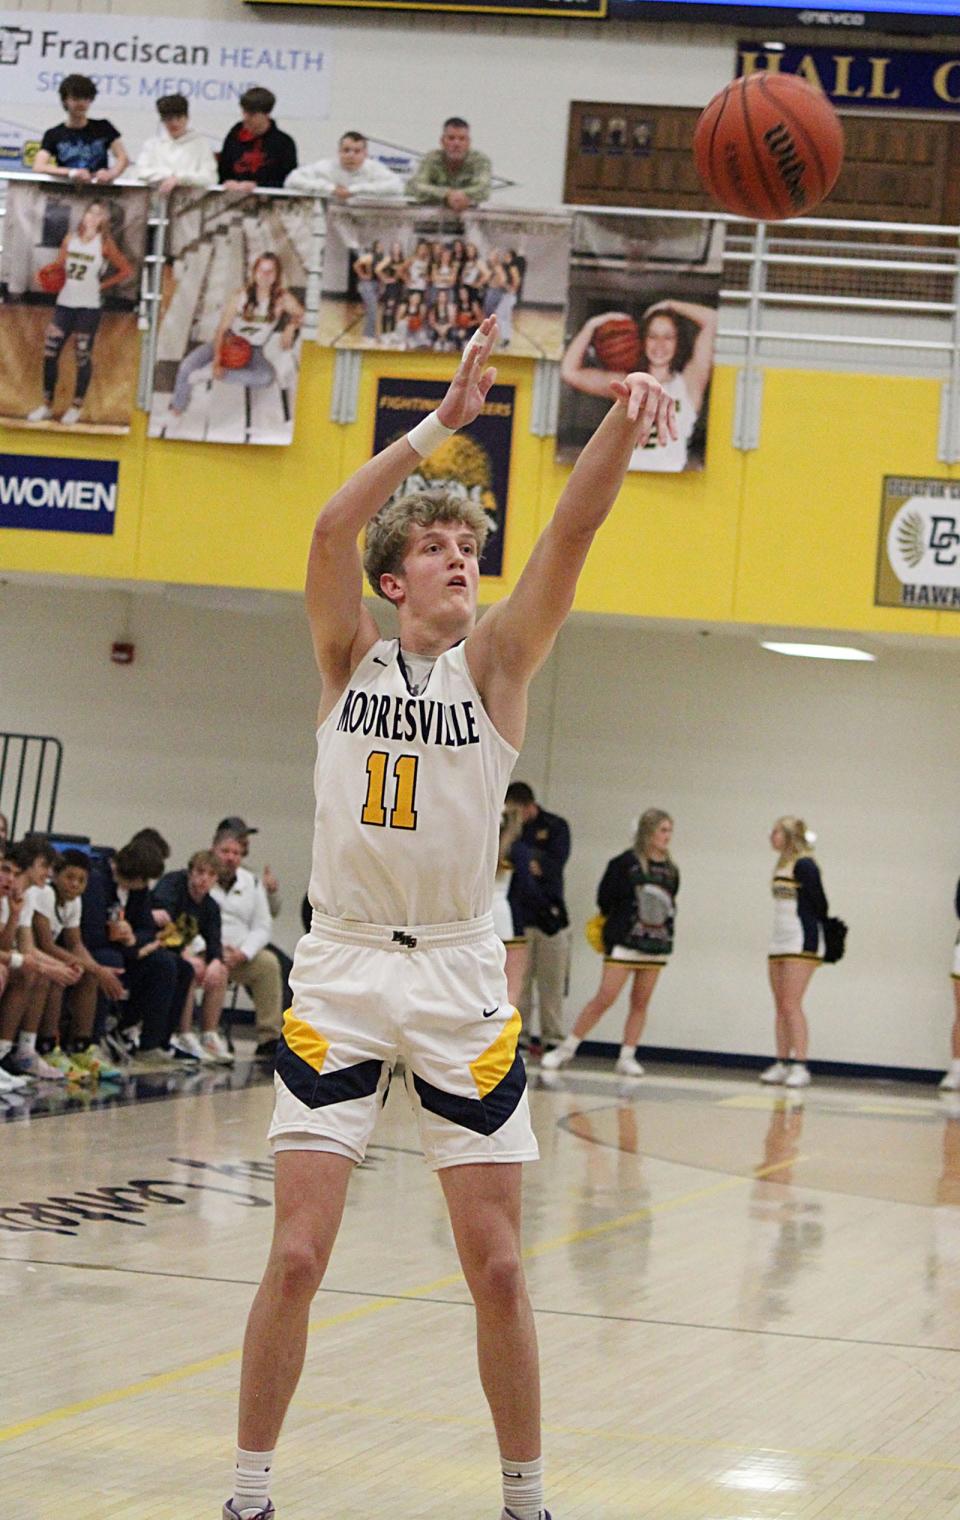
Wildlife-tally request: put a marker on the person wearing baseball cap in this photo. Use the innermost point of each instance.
(236, 825)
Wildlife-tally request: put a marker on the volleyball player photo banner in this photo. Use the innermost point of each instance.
(918, 556)
(233, 305)
(422, 280)
(473, 465)
(70, 277)
(643, 294)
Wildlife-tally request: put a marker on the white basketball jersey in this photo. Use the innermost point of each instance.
(84, 262)
(671, 456)
(409, 795)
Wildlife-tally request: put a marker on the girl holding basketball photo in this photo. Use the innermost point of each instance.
(249, 319)
(673, 341)
(77, 278)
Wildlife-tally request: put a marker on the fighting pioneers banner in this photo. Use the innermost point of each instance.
(474, 464)
(918, 556)
(70, 284)
(643, 295)
(228, 348)
(413, 278)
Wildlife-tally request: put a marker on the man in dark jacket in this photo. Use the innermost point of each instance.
(194, 914)
(255, 152)
(547, 836)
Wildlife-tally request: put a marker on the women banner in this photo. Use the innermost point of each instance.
(70, 283)
(473, 465)
(232, 309)
(414, 278)
(643, 295)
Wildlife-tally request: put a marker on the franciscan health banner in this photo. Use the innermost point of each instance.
(228, 346)
(474, 464)
(414, 278)
(133, 60)
(70, 287)
(918, 557)
(58, 495)
(643, 295)
(876, 77)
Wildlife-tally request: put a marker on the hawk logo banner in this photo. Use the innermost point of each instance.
(473, 464)
(918, 558)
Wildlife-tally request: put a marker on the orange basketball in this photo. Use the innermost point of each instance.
(769, 146)
(617, 344)
(52, 278)
(235, 352)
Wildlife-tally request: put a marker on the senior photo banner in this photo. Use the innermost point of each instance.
(473, 465)
(405, 277)
(70, 277)
(918, 556)
(228, 344)
(643, 294)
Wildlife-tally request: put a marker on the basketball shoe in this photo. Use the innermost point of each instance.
(509, 1515)
(231, 1513)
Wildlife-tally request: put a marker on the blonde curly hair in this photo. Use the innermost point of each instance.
(389, 532)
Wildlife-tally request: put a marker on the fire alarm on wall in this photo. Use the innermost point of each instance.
(122, 654)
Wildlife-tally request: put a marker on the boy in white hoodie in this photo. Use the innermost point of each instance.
(177, 155)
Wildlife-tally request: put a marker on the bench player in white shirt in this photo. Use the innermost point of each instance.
(416, 742)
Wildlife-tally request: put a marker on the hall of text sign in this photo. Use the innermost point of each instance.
(136, 59)
(892, 78)
(38, 491)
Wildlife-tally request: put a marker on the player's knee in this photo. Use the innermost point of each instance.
(299, 1263)
(500, 1279)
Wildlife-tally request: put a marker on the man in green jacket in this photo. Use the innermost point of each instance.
(454, 174)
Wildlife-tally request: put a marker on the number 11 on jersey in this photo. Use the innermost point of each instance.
(403, 814)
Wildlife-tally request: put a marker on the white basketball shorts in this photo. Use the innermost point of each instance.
(435, 997)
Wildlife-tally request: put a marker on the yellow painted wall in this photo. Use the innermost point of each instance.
(786, 534)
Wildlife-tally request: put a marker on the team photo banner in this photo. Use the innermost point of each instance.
(473, 465)
(229, 338)
(133, 60)
(643, 295)
(70, 276)
(422, 280)
(918, 555)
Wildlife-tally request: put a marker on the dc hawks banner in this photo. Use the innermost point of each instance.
(70, 286)
(228, 348)
(918, 559)
(474, 464)
(642, 295)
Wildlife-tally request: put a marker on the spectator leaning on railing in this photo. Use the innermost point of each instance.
(255, 152)
(177, 155)
(81, 148)
(453, 175)
(352, 175)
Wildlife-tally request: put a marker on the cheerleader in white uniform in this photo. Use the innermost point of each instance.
(796, 948)
(951, 1082)
(684, 376)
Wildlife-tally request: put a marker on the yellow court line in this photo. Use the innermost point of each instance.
(376, 1306)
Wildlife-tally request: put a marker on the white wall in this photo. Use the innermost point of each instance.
(396, 76)
(216, 716)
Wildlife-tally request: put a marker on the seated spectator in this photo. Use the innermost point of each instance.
(194, 930)
(271, 886)
(245, 924)
(82, 148)
(118, 918)
(56, 931)
(177, 155)
(255, 152)
(454, 174)
(352, 175)
(32, 975)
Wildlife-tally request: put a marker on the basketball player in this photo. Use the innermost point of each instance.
(417, 738)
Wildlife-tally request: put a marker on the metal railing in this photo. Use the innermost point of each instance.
(29, 781)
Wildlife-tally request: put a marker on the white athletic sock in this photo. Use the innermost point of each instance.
(571, 1043)
(26, 1043)
(523, 1488)
(5, 1048)
(251, 1481)
(628, 1052)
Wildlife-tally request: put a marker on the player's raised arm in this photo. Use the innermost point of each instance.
(512, 641)
(341, 627)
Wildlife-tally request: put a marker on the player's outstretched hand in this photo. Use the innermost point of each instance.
(648, 405)
(469, 386)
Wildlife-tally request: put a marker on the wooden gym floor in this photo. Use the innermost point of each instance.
(748, 1308)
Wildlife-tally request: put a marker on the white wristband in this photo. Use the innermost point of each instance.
(428, 435)
(16, 960)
